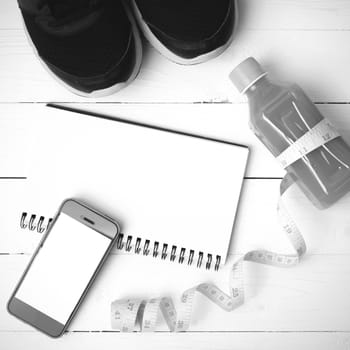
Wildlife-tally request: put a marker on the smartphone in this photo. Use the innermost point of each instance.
(63, 267)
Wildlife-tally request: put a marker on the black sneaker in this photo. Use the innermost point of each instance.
(187, 31)
(92, 46)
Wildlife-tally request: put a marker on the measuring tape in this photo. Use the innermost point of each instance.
(127, 313)
(316, 137)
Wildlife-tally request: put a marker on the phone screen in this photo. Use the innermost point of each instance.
(62, 268)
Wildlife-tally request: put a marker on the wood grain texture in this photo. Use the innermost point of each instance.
(308, 58)
(305, 307)
(187, 341)
(308, 297)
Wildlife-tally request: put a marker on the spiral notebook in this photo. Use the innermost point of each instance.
(174, 194)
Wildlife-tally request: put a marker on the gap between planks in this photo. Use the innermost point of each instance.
(215, 102)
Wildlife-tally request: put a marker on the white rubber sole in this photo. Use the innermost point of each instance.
(163, 50)
(102, 92)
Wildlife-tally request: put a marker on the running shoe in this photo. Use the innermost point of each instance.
(187, 31)
(92, 47)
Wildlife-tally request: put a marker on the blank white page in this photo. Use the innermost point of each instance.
(162, 186)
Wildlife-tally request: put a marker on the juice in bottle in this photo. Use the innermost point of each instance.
(282, 114)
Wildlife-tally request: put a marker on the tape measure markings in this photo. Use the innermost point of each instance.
(314, 138)
(125, 313)
(148, 310)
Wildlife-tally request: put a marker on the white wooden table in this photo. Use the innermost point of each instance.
(307, 306)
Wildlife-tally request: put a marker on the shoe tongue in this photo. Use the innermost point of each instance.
(63, 17)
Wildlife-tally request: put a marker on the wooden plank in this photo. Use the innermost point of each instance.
(256, 226)
(9, 15)
(312, 296)
(269, 29)
(307, 58)
(254, 14)
(295, 14)
(200, 341)
(24, 123)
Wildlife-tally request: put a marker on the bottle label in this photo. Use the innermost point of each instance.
(317, 136)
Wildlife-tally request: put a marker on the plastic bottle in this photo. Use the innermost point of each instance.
(280, 115)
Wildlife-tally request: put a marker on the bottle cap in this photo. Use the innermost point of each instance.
(246, 74)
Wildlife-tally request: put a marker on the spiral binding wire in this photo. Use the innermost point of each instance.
(123, 242)
(39, 227)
